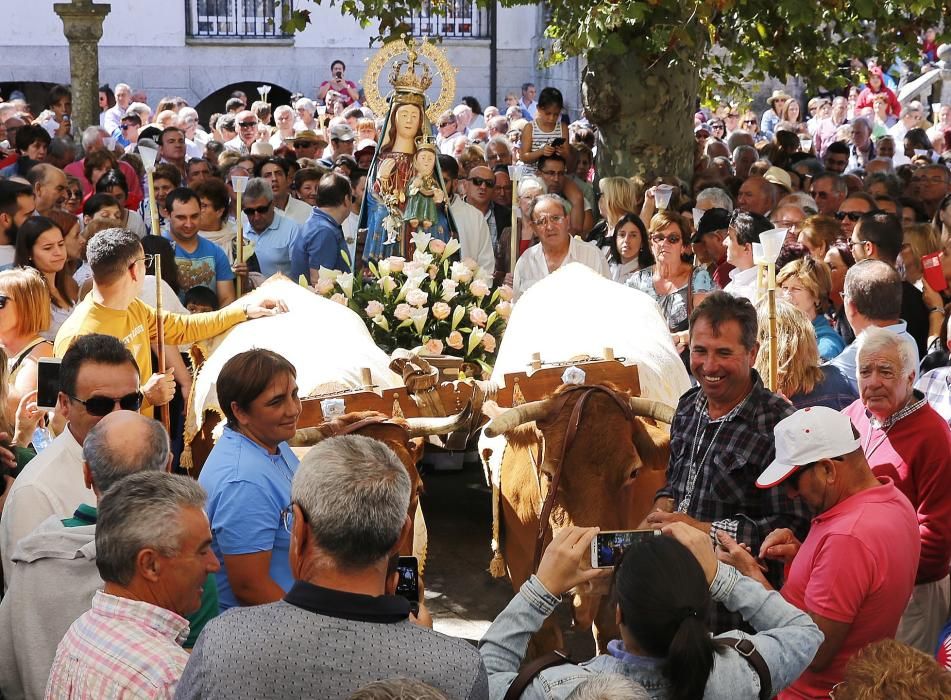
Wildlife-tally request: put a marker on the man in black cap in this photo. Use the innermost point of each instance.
(711, 230)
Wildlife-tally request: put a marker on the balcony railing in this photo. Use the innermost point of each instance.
(232, 19)
(452, 19)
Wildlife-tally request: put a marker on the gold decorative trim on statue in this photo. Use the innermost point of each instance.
(408, 81)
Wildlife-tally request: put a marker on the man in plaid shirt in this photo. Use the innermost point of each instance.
(721, 440)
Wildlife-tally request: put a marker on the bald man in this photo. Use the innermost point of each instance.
(49, 187)
(756, 196)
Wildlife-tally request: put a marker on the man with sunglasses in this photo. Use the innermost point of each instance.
(97, 376)
(470, 223)
(113, 307)
(480, 193)
(855, 570)
(270, 231)
(246, 124)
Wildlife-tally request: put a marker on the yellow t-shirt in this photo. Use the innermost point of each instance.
(136, 328)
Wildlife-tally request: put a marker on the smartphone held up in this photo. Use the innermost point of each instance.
(608, 546)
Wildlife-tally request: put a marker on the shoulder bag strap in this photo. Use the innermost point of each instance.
(528, 673)
(747, 650)
(25, 352)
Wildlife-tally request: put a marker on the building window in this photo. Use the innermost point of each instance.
(451, 19)
(246, 19)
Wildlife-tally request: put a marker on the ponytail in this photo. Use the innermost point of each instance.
(664, 599)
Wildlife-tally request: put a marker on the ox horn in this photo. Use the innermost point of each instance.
(421, 427)
(306, 437)
(514, 417)
(660, 412)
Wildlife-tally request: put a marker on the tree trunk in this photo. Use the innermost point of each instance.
(644, 113)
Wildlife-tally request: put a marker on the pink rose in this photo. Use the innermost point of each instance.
(455, 340)
(374, 308)
(479, 289)
(402, 311)
(416, 297)
(437, 247)
(396, 263)
(324, 287)
(478, 316)
(506, 293)
(434, 346)
(441, 310)
(504, 309)
(488, 342)
(339, 298)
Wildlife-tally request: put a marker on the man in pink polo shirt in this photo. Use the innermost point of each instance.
(855, 571)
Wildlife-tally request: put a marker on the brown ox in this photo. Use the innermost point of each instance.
(406, 437)
(608, 477)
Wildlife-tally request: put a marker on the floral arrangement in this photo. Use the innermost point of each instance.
(445, 306)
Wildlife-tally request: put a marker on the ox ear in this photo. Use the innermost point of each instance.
(415, 446)
(652, 444)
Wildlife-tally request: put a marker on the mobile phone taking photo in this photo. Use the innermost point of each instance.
(607, 547)
(407, 583)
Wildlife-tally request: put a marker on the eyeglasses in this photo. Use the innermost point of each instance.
(672, 238)
(855, 243)
(482, 182)
(835, 689)
(146, 258)
(443, 125)
(3, 300)
(546, 220)
(100, 406)
(553, 173)
(263, 209)
(247, 125)
(732, 116)
(287, 517)
(851, 215)
(749, 121)
(304, 144)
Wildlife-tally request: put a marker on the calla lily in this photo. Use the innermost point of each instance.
(452, 246)
(424, 259)
(345, 282)
(388, 284)
(457, 315)
(381, 322)
(302, 281)
(421, 240)
(493, 317)
(475, 337)
(382, 269)
(418, 317)
(326, 274)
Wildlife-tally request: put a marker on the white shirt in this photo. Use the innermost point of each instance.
(473, 234)
(350, 228)
(532, 266)
(51, 484)
(112, 118)
(297, 211)
(743, 284)
(447, 144)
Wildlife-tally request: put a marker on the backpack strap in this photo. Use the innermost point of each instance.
(528, 673)
(747, 650)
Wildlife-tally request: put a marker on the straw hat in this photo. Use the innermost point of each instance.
(777, 95)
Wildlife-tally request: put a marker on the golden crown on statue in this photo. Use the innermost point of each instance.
(426, 143)
(408, 80)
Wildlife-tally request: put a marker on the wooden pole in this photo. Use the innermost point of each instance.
(773, 341)
(153, 207)
(514, 235)
(160, 334)
(240, 231)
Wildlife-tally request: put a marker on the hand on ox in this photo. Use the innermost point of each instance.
(699, 545)
(266, 307)
(566, 562)
(160, 388)
(739, 556)
(658, 519)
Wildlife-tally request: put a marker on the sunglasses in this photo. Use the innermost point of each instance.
(852, 216)
(305, 144)
(100, 406)
(126, 127)
(482, 182)
(750, 121)
(247, 125)
(263, 209)
(443, 125)
(672, 238)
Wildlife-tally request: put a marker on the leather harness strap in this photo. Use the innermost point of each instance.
(362, 423)
(570, 433)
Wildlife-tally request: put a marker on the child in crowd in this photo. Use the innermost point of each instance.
(546, 135)
(200, 299)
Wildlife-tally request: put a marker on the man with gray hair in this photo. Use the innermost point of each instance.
(153, 551)
(271, 231)
(905, 439)
(112, 117)
(347, 519)
(872, 296)
(60, 550)
(92, 141)
(714, 198)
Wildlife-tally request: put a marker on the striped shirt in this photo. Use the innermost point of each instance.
(541, 138)
(120, 648)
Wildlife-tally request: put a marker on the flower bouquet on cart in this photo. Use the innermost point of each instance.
(445, 306)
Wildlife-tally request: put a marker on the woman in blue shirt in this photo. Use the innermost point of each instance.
(806, 284)
(248, 478)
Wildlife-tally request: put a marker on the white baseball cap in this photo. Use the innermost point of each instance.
(808, 435)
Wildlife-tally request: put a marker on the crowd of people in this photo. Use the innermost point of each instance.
(807, 526)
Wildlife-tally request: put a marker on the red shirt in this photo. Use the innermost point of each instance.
(915, 453)
(135, 187)
(857, 566)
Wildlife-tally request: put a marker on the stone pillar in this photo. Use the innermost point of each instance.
(82, 25)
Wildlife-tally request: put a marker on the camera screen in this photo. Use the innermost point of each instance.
(47, 383)
(407, 584)
(611, 545)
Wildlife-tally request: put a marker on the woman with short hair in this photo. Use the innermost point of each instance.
(806, 284)
(248, 478)
(25, 315)
(818, 234)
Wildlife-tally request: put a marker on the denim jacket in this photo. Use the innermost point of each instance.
(787, 638)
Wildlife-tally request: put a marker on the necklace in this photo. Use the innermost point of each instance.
(694, 465)
(868, 442)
